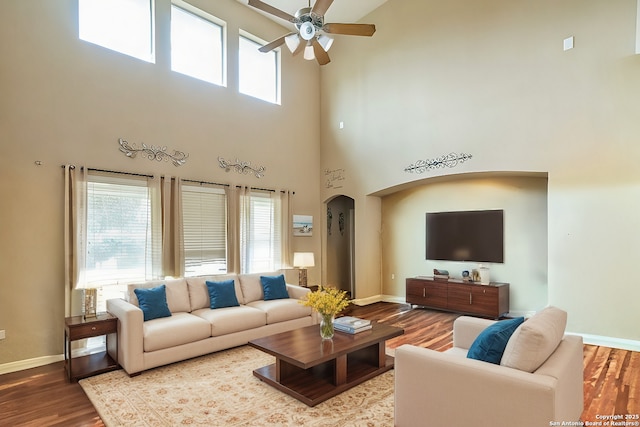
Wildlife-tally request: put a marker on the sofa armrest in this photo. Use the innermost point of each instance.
(452, 390)
(297, 292)
(130, 335)
(466, 329)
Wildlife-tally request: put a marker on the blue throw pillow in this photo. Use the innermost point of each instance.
(491, 342)
(222, 294)
(153, 302)
(274, 287)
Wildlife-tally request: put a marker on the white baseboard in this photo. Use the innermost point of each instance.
(21, 365)
(611, 342)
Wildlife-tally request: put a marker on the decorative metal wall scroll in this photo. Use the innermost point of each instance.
(333, 178)
(178, 158)
(241, 167)
(449, 161)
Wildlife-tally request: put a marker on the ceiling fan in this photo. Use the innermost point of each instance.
(311, 31)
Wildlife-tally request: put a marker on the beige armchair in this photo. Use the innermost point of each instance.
(448, 389)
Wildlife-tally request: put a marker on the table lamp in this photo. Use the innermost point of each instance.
(302, 260)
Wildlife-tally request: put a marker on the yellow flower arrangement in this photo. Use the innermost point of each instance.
(327, 300)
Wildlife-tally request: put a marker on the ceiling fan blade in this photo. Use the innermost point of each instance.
(321, 6)
(300, 48)
(350, 29)
(321, 55)
(272, 10)
(274, 44)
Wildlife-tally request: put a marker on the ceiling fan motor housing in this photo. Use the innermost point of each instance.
(308, 23)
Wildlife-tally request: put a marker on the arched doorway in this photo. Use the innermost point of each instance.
(339, 251)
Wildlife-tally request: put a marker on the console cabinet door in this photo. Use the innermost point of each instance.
(427, 293)
(485, 300)
(460, 298)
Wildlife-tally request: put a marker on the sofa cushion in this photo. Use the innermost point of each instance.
(176, 289)
(199, 293)
(281, 310)
(222, 294)
(274, 287)
(491, 342)
(228, 320)
(153, 302)
(535, 340)
(251, 286)
(167, 332)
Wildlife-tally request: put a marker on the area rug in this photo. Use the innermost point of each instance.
(220, 390)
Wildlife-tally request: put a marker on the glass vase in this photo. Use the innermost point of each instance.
(326, 326)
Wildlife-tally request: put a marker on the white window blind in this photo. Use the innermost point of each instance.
(197, 44)
(125, 26)
(261, 243)
(119, 232)
(259, 73)
(204, 216)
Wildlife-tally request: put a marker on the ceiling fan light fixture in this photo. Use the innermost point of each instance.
(308, 53)
(326, 42)
(307, 31)
(292, 42)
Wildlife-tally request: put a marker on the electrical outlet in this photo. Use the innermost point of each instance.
(2, 335)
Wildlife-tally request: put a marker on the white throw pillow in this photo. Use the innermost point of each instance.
(535, 340)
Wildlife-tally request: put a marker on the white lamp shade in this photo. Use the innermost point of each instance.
(325, 42)
(292, 42)
(303, 259)
(309, 54)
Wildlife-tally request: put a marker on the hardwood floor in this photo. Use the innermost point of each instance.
(42, 396)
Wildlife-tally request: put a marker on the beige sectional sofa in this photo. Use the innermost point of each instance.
(193, 328)
(538, 382)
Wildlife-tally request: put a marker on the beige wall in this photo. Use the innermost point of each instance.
(491, 79)
(67, 101)
(524, 202)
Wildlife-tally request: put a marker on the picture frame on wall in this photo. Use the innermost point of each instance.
(303, 225)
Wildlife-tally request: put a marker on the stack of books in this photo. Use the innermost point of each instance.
(351, 325)
(440, 274)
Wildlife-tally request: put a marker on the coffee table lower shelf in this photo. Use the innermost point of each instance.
(321, 382)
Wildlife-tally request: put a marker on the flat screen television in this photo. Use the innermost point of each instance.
(466, 236)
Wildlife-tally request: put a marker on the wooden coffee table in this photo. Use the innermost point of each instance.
(313, 370)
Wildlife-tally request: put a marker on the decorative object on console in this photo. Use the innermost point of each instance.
(465, 276)
(475, 275)
(483, 272)
(328, 302)
(241, 167)
(90, 302)
(450, 160)
(178, 158)
(302, 260)
(440, 274)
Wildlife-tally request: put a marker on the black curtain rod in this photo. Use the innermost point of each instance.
(203, 182)
(110, 171)
(262, 189)
(184, 180)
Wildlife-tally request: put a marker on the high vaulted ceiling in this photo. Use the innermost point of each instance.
(343, 11)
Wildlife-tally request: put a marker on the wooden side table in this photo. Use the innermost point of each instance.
(76, 328)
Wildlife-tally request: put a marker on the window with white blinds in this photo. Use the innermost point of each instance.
(204, 217)
(125, 26)
(260, 228)
(119, 232)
